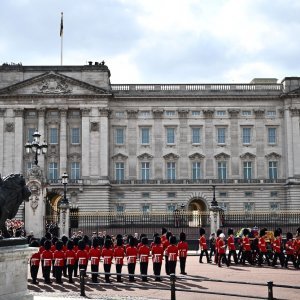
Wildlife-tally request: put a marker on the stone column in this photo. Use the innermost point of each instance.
(104, 142)
(295, 112)
(2, 113)
(235, 142)
(214, 215)
(132, 138)
(183, 147)
(64, 219)
(288, 149)
(85, 127)
(41, 129)
(209, 143)
(63, 141)
(260, 142)
(158, 143)
(19, 141)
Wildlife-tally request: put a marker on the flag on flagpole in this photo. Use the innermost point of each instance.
(61, 25)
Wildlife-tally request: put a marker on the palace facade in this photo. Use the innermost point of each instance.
(153, 147)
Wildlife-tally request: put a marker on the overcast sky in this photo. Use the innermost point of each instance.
(158, 41)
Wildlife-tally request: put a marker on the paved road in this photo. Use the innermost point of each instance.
(195, 284)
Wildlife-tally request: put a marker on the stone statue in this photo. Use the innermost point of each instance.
(13, 191)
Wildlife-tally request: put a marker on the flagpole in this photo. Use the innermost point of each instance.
(61, 39)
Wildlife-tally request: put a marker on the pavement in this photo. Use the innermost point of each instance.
(200, 283)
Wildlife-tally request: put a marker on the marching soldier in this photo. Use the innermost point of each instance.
(231, 247)
(70, 260)
(34, 262)
(289, 250)
(119, 254)
(297, 248)
(219, 231)
(59, 261)
(203, 246)
(144, 252)
(277, 249)
(131, 253)
(262, 247)
(95, 254)
(107, 254)
(157, 252)
(222, 250)
(75, 249)
(47, 257)
(165, 245)
(182, 251)
(82, 256)
(246, 247)
(172, 253)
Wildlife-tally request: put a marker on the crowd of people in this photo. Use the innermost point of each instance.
(261, 248)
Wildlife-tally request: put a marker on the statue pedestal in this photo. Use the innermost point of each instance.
(64, 220)
(214, 216)
(14, 270)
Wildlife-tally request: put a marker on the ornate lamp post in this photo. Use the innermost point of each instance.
(214, 202)
(64, 208)
(214, 212)
(64, 180)
(36, 147)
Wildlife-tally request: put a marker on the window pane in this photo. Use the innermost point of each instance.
(221, 135)
(120, 171)
(196, 170)
(53, 172)
(53, 136)
(145, 171)
(272, 135)
(273, 169)
(171, 172)
(75, 137)
(30, 133)
(75, 170)
(246, 135)
(120, 136)
(145, 135)
(170, 135)
(247, 170)
(222, 170)
(196, 135)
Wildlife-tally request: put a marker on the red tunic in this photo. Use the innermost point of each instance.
(53, 248)
(42, 249)
(157, 253)
(70, 257)
(182, 249)
(107, 255)
(246, 244)
(35, 259)
(131, 253)
(217, 244)
(262, 246)
(202, 242)
(221, 247)
(289, 248)
(276, 245)
(172, 252)
(230, 243)
(47, 257)
(119, 254)
(59, 257)
(95, 254)
(144, 252)
(82, 257)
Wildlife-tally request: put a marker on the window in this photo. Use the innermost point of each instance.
(247, 165)
(31, 113)
(196, 170)
(222, 170)
(248, 194)
(53, 136)
(171, 208)
(120, 209)
(221, 113)
(146, 209)
(170, 135)
(30, 133)
(53, 113)
(75, 136)
(29, 166)
(75, 113)
(146, 195)
(196, 113)
(249, 206)
(196, 138)
(223, 194)
(145, 170)
(273, 169)
(274, 206)
(246, 135)
(171, 170)
(119, 114)
(274, 194)
(119, 171)
(145, 136)
(120, 196)
(119, 136)
(272, 135)
(246, 113)
(53, 171)
(221, 135)
(170, 113)
(171, 195)
(271, 113)
(224, 206)
(75, 170)
(145, 113)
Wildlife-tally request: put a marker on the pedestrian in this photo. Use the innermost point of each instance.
(172, 253)
(212, 245)
(70, 260)
(157, 252)
(246, 255)
(107, 254)
(289, 250)
(182, 252)
(119, 253)
(95, 254)
(47, 257)
(131, 253)
(144, 252)
(59, 261)
(203, 246)
(222, 250)
(34, 262)
(231, 247)
(277, 249)
(262, 248)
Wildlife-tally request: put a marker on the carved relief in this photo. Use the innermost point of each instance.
(35, 173)
(104, 112)
(233, 112)
(247, 156)
(171, 156)
(295, 112)
(157, 113)
(94, 126)
(196, 156)
(54, 86)
(132, 114)
(119, 156)
(222, 156)
(19, 112)
(34, 203)
(183, 113)
(273, 155)
(208, 113)
(259, 113)
(2, 112)
(10, 127)
(145, 156)
(85, 112)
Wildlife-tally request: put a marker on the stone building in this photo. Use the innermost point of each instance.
(153, 147)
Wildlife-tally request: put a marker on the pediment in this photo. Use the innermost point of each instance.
(222, 156)
(247, 155)
(53, 83)
(273, 155)
(171, 156)
(145, 156)
(119, 156)
(196, 155)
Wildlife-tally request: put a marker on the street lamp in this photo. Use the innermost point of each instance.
(36, 147)
(214, 202)
(64, 179)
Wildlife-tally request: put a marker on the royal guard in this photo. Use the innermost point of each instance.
(219, 231)
(246, 255)
(95, 254)
(165, 245)
(140, 241)
(163, 235)
(153, 243)
(107, 254)
(203, 246)
(277, 249)
(70, 259)
(34, 262)
(47, 257)
(262, 248)
(59, 261)
(82, 256)
(144, 252)
(231, 247)
(289, 250)
(119, 253)
(296, 245)
(222, 250)
(131, 253)
(64, 239)
(182, 252)
(53, 249)
(172, 253)
(157, 252)
(41, 250)
(75, 249)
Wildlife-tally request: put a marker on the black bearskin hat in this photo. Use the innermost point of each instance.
(298, 231)
(202, 231)
(262, 232)
(219, 231)
(289, 236)
(47, 245)
(81, 245)
(168, 235)
(173, 240)
(132, 242)
(34, 243)
(64, 239)
(119, 236)
(70, 245)
(119, 242)
(157, 240)
(164, 230)
(246, 231)
(182, 236)
(277, 233)
(95, 242)
(107, 243)
(144, 240)
(59, 245)
(230, 231)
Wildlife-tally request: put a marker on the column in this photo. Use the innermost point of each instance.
(63, 141)
(183, 144)
(19, 141)
(159, 143)
(104, 142)
(260, 142)
(234, 137)
(287, 144)
(132, 138)
(296, 140)
(2, 113)
(41, 129)
(209, 143)
(85, 138)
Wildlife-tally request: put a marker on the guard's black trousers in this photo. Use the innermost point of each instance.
(47, 271)
(58, 274)
(34, 271)
(94, 268)
(172, 266)
(107, 268)
(201, 255)
(167, 265)
(119, 270)
(131, 269)
(70, 272)
(182, 261)
(157, 269)
(144, 270)
(232, 253)
(260, 258)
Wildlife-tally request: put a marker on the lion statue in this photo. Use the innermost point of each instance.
(13, 191)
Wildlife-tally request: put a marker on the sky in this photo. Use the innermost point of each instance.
(157, 41)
